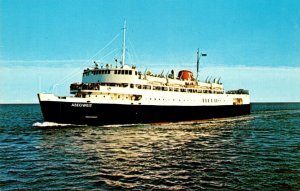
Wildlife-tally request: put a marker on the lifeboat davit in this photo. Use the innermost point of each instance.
(185, 75)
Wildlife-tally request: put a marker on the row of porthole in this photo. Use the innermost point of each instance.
(203, 100)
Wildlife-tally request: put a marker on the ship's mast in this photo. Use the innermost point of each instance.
(198, 59)
(124, 47)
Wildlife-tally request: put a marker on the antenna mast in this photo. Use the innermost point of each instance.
(198, 59)
(124, 47)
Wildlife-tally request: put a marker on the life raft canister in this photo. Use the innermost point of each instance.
(185, 75)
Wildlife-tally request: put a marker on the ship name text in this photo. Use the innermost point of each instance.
(81, 105)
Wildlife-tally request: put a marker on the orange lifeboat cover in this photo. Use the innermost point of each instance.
(185, 75)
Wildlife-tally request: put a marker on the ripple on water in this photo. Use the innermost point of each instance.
(255, 152)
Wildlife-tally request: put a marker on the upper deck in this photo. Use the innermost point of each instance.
(109, 74)
(130, 75)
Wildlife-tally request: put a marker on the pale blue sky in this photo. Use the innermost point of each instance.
(251, 44)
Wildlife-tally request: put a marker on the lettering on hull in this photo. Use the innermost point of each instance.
(81, 105)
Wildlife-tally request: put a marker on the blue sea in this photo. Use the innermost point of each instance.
(260, 151)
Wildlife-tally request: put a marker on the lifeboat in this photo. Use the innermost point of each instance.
(185, 75)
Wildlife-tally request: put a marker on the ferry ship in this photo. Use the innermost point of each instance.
(124, 95)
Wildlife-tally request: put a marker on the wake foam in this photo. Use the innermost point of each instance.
(52, 124)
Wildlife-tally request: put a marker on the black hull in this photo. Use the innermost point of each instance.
(102, 114)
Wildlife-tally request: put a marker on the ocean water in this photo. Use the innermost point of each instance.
(260, 151)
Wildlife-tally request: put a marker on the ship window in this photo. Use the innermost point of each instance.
(116, 71)
(126, 72)
(136, 73)
(130, 72)
(170, 89)
(122, 72)
(156, 88)
(131, 85)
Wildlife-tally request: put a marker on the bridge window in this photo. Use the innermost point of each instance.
(156, 88)
(164, 89)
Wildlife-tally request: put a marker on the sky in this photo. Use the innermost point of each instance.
(250, 44)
